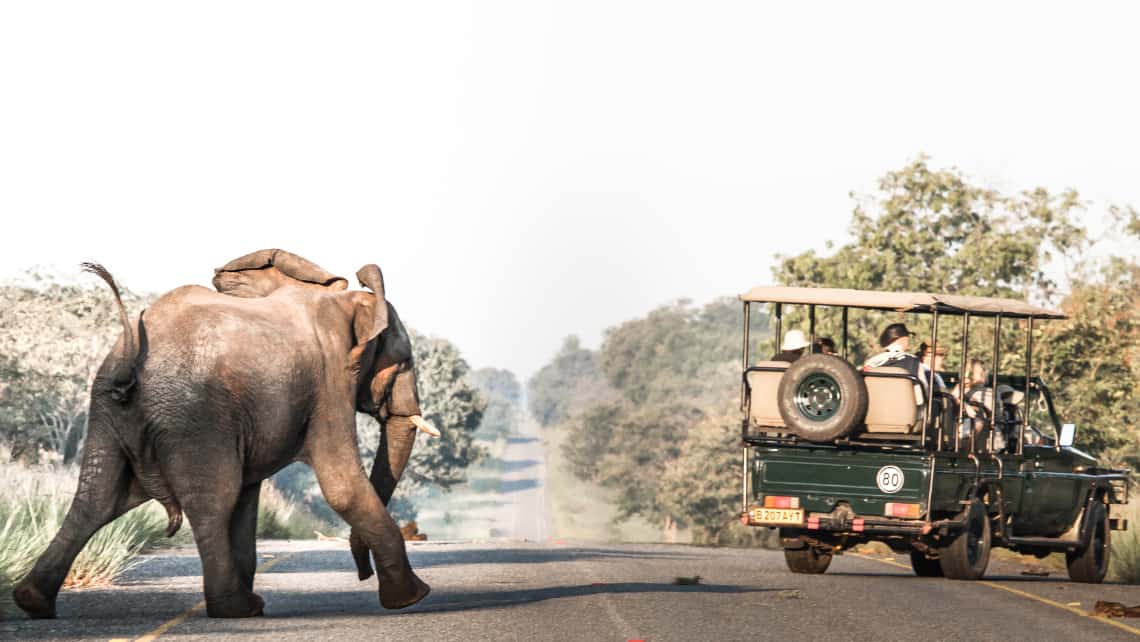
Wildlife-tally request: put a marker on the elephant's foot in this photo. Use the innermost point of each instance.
(235, 605)
(392, 597)
(360, 555)
(33, 601)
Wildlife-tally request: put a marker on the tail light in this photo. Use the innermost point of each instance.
(908, 511)
(775, 501)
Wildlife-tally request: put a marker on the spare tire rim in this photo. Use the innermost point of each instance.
(818, 397)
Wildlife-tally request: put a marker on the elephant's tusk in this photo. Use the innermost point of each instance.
(424, 426)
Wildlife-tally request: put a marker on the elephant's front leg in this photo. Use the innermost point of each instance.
(332, 452)
(397, 438)
(210, 494)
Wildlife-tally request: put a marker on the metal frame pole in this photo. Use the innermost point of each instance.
(779, 324)
(844, 332)
(962, 385)
(744, 355)
(811, 329)
(930, 391)
(993, 381)
(1028, 376)
(744, 408)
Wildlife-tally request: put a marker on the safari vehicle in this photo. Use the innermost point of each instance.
(837, 455)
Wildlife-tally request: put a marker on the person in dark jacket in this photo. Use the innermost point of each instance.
(894, 341)
(792, 348)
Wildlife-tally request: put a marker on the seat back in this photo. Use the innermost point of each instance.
(891, 403)
(764, 411)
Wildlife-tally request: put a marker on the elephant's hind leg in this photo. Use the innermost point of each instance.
(210, 494)
(106, 489)
(243, 534)
(346, 489)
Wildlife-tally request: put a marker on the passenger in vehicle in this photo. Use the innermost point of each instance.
(895, 340)
(792, 348)
(933, 360)
(824, 345)
(977, 398)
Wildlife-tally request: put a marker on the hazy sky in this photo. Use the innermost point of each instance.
(526, 170)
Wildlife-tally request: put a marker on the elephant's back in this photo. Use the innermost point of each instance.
(200, 340)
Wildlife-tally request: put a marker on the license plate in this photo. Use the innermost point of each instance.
(784, 516)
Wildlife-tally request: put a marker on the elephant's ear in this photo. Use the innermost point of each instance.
(369, 326)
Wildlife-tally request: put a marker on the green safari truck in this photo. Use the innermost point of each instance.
(941, 465)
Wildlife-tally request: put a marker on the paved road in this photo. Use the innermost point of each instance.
(512, 590)
(504, 497)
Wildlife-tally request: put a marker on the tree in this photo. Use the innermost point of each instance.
(54, 333)
(669, 371)
(1093, 357)
(929, 230)
(561, 388)
(503, 394)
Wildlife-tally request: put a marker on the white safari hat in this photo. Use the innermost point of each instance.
(794, 340)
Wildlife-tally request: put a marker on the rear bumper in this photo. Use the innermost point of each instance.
(845, 521)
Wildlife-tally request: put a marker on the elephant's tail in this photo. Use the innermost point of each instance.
(123, 375)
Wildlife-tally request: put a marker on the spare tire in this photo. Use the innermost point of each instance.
(822, 397)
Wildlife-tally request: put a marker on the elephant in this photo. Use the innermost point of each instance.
(393, 396)
(207, 393)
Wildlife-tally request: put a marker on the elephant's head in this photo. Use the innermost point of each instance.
(387, 385)
(382, 354)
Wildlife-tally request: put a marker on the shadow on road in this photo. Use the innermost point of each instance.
(513, 465)
(448, 601)
(515, 485)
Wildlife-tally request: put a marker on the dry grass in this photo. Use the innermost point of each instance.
(280, 518)
(1126, 549)
(33, 503)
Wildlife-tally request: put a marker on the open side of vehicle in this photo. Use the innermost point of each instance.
(836, 456)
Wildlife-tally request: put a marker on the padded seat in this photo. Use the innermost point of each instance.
(764, 409)
(892, 404)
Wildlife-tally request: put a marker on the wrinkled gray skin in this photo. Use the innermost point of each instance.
(207, 394)
(393, 395)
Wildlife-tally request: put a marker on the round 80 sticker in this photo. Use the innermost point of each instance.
(890, 479)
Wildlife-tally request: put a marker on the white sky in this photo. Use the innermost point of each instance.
(526, 170)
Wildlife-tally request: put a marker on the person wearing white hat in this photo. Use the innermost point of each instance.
(793, 346)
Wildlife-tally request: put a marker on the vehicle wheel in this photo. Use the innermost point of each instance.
(968, 554)
(924, 566)
(1091, 564)
(822, 397)
(806, 560)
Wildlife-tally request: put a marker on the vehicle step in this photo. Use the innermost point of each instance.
(1043, 542)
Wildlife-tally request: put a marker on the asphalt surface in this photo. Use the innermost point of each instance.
(506, 578)
(514, 590)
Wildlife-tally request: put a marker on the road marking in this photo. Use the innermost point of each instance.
(185, 615)
(1064, 607)
(1120, 625)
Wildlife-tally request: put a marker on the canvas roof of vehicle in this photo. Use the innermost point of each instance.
(900, 301)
